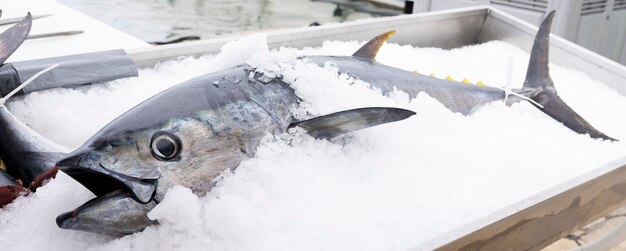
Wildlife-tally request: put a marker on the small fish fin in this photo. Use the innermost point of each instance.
(370, 49)
(335, 124)
(12, 38)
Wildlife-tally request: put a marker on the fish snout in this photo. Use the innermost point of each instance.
(67, 220)
(100, 175)
(78, 158)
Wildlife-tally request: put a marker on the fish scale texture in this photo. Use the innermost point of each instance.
(389, 187)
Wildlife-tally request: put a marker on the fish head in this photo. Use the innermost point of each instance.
(112, 164)
(139, 167)
(154, 146)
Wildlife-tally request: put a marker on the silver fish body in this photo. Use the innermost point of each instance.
(463, 98)
(457, 97)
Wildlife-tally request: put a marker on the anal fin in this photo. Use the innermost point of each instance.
(335, 124)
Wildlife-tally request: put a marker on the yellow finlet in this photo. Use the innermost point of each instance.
(449, 78)
(432, 75)
(416, 72)
(465, 81)
(480, 83)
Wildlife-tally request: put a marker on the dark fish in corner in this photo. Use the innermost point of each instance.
(29, 157)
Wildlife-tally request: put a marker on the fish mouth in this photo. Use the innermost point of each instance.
(122, 201)
(86, 168)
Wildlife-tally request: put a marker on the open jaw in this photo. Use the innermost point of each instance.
(121, 205)
(86, 167)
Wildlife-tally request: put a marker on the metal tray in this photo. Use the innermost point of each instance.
(531, 223)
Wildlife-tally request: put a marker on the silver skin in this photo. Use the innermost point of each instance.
(455, 96)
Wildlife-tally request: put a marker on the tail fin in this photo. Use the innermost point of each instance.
(539, 86)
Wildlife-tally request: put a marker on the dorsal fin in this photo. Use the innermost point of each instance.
(369, 50)
(335, 124)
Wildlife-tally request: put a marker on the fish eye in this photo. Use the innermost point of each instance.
(165, 146)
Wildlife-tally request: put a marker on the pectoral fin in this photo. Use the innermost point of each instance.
(335, 124)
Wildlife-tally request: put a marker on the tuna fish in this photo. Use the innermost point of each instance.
(191, 133)
(188, 135)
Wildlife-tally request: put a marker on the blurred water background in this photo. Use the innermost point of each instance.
(164, 20)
